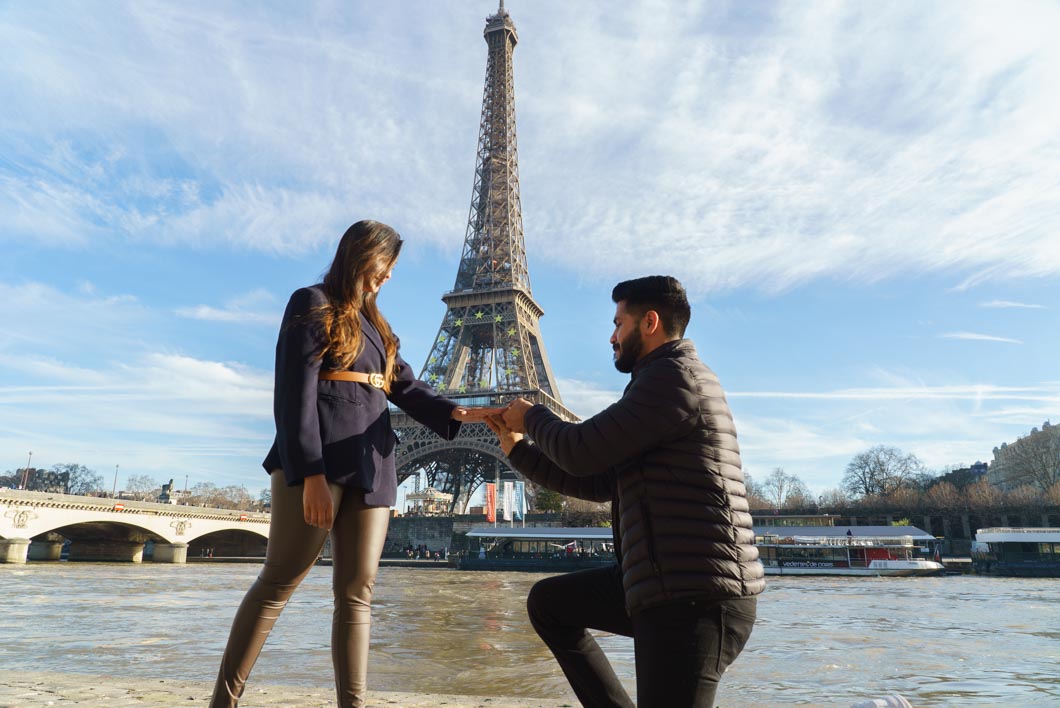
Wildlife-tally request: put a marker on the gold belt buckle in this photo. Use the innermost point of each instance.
(375, 380)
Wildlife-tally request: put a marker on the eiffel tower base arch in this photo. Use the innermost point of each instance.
(458, 467)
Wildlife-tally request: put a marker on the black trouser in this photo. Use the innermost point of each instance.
(681, 649)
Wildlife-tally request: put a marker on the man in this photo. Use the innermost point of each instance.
(665, 456)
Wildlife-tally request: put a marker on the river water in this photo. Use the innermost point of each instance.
(819, 641)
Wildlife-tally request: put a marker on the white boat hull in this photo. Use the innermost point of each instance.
(878, 568)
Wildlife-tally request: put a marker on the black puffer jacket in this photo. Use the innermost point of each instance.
(666, 456)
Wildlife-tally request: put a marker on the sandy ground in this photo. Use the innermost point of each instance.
(18, 689)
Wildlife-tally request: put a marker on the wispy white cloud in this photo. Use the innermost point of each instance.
(976, 392)
(733, 147)
(814, 434)
(42, 318)
(974, 336)
(159, 413)
(841, 141)
(1007, 304)
(585, 398)
(91, 378)
(257, 307)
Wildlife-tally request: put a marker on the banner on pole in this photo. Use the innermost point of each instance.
(491, 502)
(509, 492)
(520, 501)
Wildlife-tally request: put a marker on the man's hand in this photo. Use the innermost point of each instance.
(515, 413)
(316, 502)
(505, 435)
(473, 415)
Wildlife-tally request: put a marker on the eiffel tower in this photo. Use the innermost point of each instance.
(489, 348)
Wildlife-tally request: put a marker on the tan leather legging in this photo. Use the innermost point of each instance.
(357, 538)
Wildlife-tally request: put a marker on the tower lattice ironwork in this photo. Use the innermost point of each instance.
(489, 347)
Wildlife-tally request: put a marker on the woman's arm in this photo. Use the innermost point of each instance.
(295, 406)
(429, 407)
(295, 393)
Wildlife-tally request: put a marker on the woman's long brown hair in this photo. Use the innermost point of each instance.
(368, 250)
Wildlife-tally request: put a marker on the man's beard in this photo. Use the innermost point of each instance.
(630, 349)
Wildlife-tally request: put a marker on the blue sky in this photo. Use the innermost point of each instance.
(863, 200)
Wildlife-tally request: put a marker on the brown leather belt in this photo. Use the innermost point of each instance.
(355, 376)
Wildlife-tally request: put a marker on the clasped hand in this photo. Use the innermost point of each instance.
(512, 415)
(509, 425)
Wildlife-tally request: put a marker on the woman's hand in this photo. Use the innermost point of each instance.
(505, 435)
(317, 506)
(473, 415)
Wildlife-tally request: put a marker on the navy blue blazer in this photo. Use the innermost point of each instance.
(341, 429)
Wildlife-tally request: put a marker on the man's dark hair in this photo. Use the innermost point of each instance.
(661, 293)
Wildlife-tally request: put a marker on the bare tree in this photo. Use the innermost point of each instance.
(79, 479)
(230, 497)
(943, 495)
(781, 489)
(580, 512)
(982, 495)
(834, 499)
(142, 487)
(1023, 496)
(755, 498)
(905, 497)
(880, 471)
(1052, 497)
(1034, 459)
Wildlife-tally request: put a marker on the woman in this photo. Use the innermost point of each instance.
(332, 464)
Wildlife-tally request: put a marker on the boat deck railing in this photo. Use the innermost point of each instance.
(1020, 529)
(837, 540)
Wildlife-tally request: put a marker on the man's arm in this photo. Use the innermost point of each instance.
(659, 405)
(527, 458)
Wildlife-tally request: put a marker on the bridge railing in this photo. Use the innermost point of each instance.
(58, 499)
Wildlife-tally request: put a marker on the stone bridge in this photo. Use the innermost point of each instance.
(36, 526)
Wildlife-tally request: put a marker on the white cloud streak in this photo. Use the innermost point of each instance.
(976, 337)
(1008, 304)
(733, 145)
(257, 307)
(814, 434)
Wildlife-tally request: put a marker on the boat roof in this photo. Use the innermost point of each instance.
(1017, 535)
(535, 533)
(841, 531)
(603, 533)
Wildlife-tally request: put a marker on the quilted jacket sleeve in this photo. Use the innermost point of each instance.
(659, 404)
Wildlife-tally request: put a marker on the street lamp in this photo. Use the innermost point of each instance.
(114, 492)
(25, 473)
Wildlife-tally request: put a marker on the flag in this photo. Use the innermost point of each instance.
(508, 494)
(491, 502)
(938, 555)
(520, 501)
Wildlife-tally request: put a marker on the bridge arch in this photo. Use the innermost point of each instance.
(37, 525)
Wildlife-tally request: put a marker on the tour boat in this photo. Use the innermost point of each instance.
(535, 549)
(1017, 552)
(844, 555)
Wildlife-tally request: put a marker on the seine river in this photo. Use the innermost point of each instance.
(936, 641)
